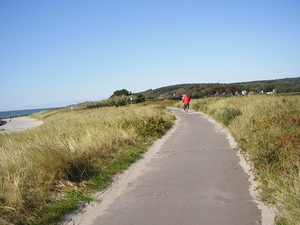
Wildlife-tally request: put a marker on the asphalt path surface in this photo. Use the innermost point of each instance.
(193, 177)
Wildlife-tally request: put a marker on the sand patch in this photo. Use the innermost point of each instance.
(19, 124)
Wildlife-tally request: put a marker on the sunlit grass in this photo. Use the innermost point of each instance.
(71, 151)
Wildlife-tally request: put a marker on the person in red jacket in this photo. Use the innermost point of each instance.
(186, 102)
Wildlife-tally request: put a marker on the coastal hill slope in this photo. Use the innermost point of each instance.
(200, 90)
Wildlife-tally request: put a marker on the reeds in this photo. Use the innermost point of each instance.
(70, 147)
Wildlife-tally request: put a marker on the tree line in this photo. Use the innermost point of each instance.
(287, 85)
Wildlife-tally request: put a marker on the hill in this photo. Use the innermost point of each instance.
(201, 90)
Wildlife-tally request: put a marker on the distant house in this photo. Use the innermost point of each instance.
(244, 92)
(272, 92)
(251, 93)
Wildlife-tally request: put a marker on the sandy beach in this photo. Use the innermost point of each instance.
(19, 124)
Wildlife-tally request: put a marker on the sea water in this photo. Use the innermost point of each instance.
(21, 112)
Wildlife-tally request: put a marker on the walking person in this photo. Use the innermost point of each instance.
(186, 102)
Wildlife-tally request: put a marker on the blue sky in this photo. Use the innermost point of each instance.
(55, 53)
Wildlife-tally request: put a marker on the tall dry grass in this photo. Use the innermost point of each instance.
(268, 129)
(69, 147)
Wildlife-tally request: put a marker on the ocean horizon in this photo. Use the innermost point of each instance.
(25, 112)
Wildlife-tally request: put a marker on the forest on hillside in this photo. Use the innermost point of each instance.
(287, 85)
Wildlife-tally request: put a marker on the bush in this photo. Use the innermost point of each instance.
(200, 105)
(226, 114)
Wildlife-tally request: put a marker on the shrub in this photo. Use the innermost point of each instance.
(226, 114)
(200, 105)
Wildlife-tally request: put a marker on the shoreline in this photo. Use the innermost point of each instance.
(18, 123)
(10, 117)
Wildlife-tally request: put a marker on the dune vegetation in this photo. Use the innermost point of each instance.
(46, 170)
(267, 129)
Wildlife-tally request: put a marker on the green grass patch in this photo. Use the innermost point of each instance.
(287, 94)
(52, 213)
(226, 114)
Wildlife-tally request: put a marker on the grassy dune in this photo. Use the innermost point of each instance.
(267, 128)
(44, 171)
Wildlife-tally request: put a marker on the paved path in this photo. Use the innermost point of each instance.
(193, 178)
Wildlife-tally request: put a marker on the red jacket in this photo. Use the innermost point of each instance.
(186, 100)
